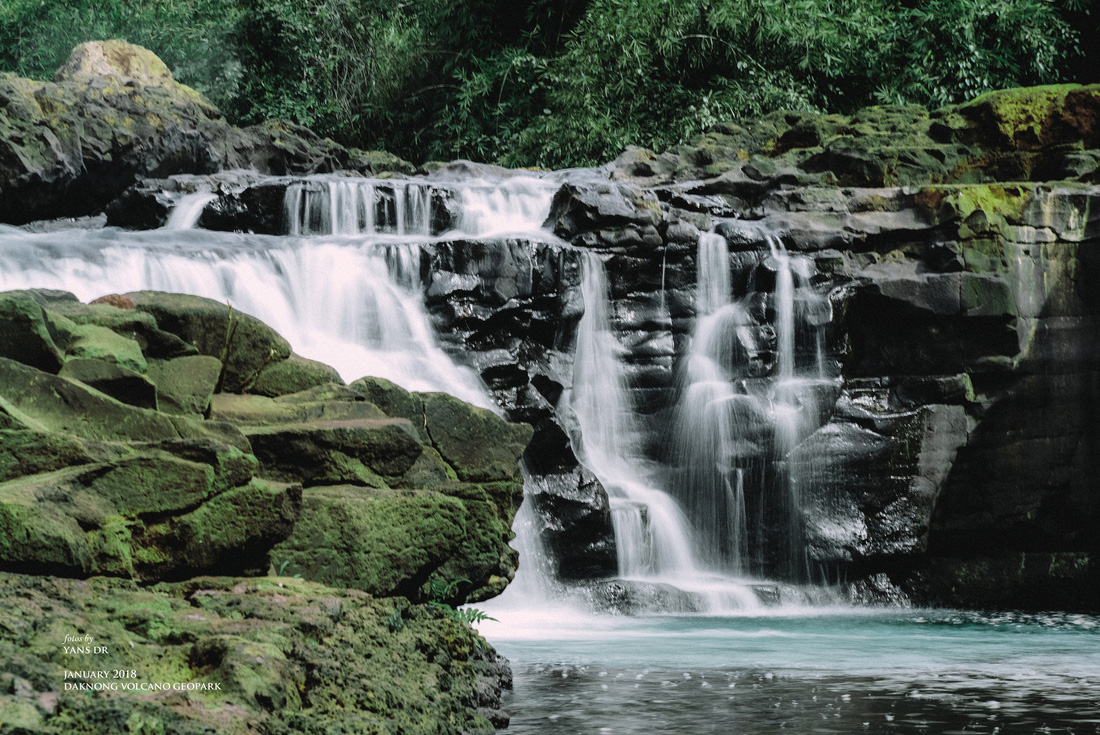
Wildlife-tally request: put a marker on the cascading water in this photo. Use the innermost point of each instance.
(353, 303)
(185, 215)
(478, 208)
(343, 288)
(651, 533)
(335, 302)
(748, 397)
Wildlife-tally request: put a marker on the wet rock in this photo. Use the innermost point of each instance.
(578, 529)
(185, 385)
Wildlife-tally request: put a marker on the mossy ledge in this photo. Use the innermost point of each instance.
(127, 471)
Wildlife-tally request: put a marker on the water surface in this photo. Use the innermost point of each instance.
(822, 671)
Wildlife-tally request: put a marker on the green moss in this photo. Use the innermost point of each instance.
(1024, 117)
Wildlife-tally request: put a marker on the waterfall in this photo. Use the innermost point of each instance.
(349, 206)
(185, 215)
(333, 301)
(352, 206)
(651, 533)
(748, 396)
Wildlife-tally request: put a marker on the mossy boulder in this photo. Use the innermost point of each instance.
(33, 399)
(388, 542)
(325, 403)
(382, 541)
(139, 326)
(245, 344)
(480, 445)
(117, 382)
(185, 385)
(293, 375)
(24, 334)
(93, 485)
(359, 451)
(150, 514)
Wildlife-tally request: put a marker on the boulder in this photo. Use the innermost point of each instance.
(24, 334)
(359, 451)
(293, 375)
(479, 445)
(244, 344)
(117, 382)
(389, 542)
(114, 114)
(325, 403)
(120, 316)
(36, 400)
(151, 515)
(185, 385)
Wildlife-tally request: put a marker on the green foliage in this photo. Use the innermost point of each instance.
(561, 82)
(955, 50)
(438, 594)
(339, 66)
(195, 38)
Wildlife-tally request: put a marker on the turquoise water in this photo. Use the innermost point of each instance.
(825, 671)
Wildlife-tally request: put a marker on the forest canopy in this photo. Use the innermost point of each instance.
(557, 83)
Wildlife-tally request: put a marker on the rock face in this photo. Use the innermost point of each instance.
(112, 115)
(943, 275)
(947, 265)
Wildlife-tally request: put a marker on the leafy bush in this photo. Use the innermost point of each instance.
(560, 82)
(339, 66)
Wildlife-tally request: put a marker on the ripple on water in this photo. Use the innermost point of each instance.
(891, 672)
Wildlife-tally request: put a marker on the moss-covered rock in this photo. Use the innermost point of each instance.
(384, 542)
(37, 400)
(480, 445)
(128, 322)
(293, 375)
(359, 451)
(244, 344)
(24, 335)
(110, 378)
(185, 385)
(313, 405)
(279, 656)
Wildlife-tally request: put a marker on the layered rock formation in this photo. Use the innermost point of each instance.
(124, 457)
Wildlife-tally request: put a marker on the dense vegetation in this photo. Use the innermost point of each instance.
(562, 82)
